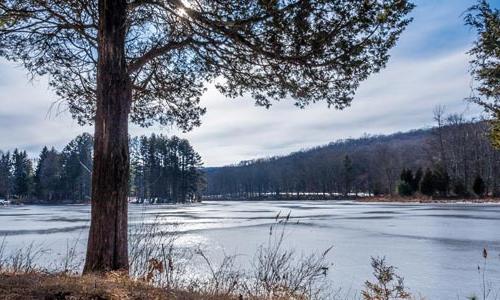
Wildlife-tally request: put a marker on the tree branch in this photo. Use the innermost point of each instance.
(155, 52)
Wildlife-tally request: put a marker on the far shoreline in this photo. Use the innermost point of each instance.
(428, 200)
(392, 199)
(359, 200)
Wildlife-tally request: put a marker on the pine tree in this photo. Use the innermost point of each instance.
(48, 175)
(5, 175)
(427, 186)
(404, 189)
(415, 184)
(39, 190)
(479, 187)
(441, 181)
(406, 175)
(405, 186)
(136, 182)
(77, 168)
(460, 189)
(190, 164)
(22, 174)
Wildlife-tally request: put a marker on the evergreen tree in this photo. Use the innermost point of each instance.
(136, 182)
(190, 164)
(404, 189)
(415, 184)
(48, 175)
(77, 168)
(22, 174)
(427, 186)
(39, 190)
(441, 181)
(406, 175)
(460, 189)
(5, 175)
(479, 187)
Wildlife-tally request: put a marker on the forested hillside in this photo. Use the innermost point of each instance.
(455, 158)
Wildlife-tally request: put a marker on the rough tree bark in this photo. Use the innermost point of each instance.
(107, 243)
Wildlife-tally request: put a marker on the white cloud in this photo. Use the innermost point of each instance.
(28, 118)
(402, 97)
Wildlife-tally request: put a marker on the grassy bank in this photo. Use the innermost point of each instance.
(38, 285)
(43, 286)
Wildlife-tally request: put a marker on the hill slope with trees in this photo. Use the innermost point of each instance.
(455, 158)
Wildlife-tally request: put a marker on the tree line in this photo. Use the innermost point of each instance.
(454, 158)
(52, 177)
(162, 170)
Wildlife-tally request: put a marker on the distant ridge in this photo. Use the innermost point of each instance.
(371, 164)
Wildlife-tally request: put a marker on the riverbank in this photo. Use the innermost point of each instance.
(427, 200)
(356, 197)
(41, 286)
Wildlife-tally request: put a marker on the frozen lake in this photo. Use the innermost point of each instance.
(437, 248)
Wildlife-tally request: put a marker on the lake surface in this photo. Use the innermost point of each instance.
(437, 248)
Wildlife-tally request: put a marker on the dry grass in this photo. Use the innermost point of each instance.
(276, 272)
(31, 286)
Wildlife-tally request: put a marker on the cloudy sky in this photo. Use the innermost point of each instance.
(429, 67)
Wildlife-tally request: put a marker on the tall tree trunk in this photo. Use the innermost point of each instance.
(107, 244)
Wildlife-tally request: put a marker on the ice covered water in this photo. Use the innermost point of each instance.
(437, 248)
